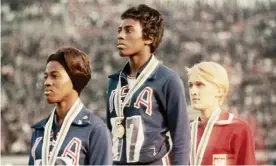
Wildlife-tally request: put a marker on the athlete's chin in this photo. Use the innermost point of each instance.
(196, 107)
(125, 53)
(51, 100)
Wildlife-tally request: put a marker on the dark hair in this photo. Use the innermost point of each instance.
(77, 65)
(151, 21)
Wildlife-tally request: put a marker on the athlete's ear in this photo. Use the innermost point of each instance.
(188, 70)
(220, 92)
(149, 40)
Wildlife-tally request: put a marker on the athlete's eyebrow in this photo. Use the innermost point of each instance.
(51, 72)
(125, 27)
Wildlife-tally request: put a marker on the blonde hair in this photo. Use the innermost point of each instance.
(213, 73)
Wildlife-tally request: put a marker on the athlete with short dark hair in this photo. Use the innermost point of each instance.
(71, 135)
(146, 99)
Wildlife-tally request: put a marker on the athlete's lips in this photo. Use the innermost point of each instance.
(48, 91)
(121, 45)
(195, 99)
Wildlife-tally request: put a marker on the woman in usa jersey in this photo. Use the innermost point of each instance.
(146, 99)
(71, 135)
(218, 137)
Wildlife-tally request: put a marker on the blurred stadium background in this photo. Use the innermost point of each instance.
(239, 34)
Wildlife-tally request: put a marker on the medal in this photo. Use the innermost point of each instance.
(119, 131)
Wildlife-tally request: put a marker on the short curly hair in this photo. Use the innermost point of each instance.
(151, 21)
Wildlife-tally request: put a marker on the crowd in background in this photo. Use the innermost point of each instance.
(241, 38)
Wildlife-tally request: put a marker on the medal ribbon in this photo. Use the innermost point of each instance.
(120, 105)
(197, 155)
(71, 115)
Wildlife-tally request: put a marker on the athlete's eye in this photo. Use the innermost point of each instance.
(119, 30)
(199, 84)
(128, 30)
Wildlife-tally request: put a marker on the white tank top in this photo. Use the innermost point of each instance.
(131, 81)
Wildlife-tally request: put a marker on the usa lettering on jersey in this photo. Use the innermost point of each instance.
(134, 128)
(70, 155)
(144, 98)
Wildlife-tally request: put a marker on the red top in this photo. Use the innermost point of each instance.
(231, 142)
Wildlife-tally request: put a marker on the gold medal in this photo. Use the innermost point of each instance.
(119, 131)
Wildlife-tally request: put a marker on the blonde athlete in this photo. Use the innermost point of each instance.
(218, 137)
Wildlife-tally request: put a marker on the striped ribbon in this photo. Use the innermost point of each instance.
(120, 105)
(197, 155)
(71, 115)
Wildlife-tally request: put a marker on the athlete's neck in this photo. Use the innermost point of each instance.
(64, 106)
(207, 113)
(137, 61)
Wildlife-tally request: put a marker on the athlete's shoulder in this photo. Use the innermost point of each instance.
(165, 72)
(228, 118)
(88, 118)
(240, 124)
(115, 75)
(84, 118)
(40, 124)
(234, 123)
